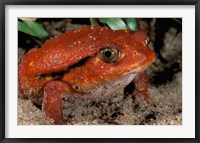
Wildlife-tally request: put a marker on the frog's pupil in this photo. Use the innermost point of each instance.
(108, 54)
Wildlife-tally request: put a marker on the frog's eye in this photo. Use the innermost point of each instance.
(147, 41)
(109, 55)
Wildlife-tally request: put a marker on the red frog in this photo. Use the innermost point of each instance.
(90, 62)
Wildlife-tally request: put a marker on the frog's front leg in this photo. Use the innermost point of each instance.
(141, 84)
(52, 102)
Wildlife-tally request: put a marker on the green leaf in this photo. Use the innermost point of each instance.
(24, 28)
(103, 20)
(114, 23)
(132, 23)
(39, 42)
(172, 40)
(32, 28)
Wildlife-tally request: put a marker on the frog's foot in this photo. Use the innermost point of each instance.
(52, 102)
(141, 85)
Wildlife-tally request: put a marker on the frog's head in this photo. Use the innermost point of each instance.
(117, 53)
(122, 53)
(125, 54)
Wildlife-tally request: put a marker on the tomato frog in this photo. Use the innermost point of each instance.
(89, 62)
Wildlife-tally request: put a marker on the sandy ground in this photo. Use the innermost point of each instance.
(163, 108)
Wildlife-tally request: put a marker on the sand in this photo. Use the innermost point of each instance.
(163, 108)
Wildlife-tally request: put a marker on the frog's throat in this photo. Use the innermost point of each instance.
(112, 86)
(108, 88)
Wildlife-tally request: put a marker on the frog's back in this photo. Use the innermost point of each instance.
(67, 49)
